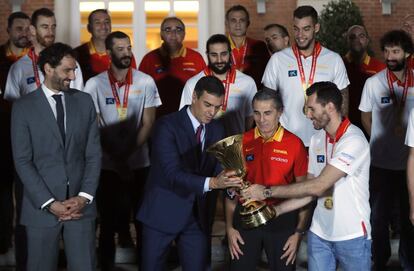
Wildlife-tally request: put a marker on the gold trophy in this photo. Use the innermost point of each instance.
(230, 155)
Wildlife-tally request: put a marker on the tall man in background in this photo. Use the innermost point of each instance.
(293, 70)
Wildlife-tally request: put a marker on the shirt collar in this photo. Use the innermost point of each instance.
(233, 44)
(409, 77)
(194, 122)
(181, 53)
(92, 49)
(277, 136)
(49, 93)
(340, 131)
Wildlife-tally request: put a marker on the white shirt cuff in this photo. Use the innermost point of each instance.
(46, 203)
(87, 196)
(207, 185)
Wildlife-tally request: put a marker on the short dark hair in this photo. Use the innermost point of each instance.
(90, 16)
(265, 94)
(306, 11)
(238, 8)
(397, 38)
(210, 84)
(109, 41)
(41, 12)
(172, 18)
(14, 16)
(218, 38)
(53, 54)
(326, 92)
(281, 28)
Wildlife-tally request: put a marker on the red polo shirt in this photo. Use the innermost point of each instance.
(170, 74)
(275, 161)
(358, 73)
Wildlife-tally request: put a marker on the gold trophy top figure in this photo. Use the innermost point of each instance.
(230, 155)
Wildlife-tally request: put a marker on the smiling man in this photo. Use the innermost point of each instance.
(57, 155)
(338, 176)
(24, 75)
(175, 205)
(385, 105)
(293, 70)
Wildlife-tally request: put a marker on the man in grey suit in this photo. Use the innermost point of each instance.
(57, 154)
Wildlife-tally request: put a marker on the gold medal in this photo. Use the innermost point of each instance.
(328, 203)
(122, 113)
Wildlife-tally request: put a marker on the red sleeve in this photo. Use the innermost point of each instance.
(143, 66)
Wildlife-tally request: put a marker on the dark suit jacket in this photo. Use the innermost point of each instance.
(44, 164)
(177, 174)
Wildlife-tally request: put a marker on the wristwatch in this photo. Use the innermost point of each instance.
(301, 232)
(267, 192)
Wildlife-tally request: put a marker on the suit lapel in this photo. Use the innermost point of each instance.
(47, 114)
(70, 116)
(189, 133)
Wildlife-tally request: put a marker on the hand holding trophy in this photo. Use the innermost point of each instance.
(230, 155)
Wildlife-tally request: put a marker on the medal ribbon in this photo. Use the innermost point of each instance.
(34, 58)
(315, 53)
(122, 109)
(339, 132)
(231, 73)
(408, 81)
(233, 57)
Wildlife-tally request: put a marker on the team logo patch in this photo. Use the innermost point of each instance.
(30, 80)
(280, 151)
(249, 157)
(110, 101)
(385, 100)
(320, 158)
(292, 73)
(160, 70)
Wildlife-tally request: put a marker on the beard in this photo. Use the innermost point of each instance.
(45, 42)
(395, 65)
(21, 42)
(217, 70)
(321, 122)
(121, 63)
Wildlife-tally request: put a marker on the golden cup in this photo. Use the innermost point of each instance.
(230, 155)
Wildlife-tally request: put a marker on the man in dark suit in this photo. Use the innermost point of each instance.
(57, 155)
(175, 205)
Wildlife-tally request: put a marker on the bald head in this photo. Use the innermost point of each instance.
(407, 25)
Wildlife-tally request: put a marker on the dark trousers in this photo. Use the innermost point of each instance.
(20, 236)
(385, 187)
(6, 210)
(192, 245)
(254, 241)
(117, 199)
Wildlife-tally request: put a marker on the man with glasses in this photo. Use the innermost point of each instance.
(171, 65)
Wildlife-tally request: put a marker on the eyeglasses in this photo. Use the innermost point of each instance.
(177, 30)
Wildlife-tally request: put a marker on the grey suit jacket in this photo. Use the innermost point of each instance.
(44, 164)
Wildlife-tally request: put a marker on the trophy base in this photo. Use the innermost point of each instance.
(255, 214)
